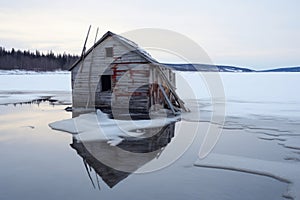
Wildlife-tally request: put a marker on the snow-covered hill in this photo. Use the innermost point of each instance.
(224, 68)
(284, 69)
(207, 68)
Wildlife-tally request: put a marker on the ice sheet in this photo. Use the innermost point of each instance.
(247, 87)
(9, 98)
(286, 172)
(50, 81)
(59, 97)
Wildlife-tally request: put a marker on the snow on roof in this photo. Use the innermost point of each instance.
(138, 49)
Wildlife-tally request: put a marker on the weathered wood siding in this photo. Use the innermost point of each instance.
(131, 86)
(86, 75)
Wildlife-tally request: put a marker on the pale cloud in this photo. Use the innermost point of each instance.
(231, 32)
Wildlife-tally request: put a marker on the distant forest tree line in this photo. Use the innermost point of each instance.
(36, 61)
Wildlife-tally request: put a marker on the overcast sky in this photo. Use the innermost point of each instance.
(257, 34)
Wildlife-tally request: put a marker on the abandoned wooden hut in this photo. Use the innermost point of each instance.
(117, 76)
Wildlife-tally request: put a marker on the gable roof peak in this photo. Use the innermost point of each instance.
(124, 41)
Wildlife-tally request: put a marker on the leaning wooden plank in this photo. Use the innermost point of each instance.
(180, 102)
(167, 99)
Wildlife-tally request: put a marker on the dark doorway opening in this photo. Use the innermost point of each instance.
(106, 83)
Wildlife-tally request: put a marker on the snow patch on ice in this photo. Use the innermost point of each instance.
(286, 172)
(98, 126)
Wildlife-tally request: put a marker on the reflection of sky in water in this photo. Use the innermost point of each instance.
(39, 163)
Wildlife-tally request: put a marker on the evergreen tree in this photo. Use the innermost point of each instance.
(27, 60)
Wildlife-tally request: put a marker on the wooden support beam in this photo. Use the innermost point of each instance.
(167, 99)
(171, 87)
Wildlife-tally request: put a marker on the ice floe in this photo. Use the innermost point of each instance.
(286, 172)
(98, 126)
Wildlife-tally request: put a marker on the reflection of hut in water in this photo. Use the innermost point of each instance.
(115, 163)
(116, 73)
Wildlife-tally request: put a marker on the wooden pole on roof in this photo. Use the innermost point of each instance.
(90, 71)
(84, 48)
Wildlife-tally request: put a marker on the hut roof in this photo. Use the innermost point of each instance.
(125, 42)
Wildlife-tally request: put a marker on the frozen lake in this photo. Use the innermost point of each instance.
(256, 157)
